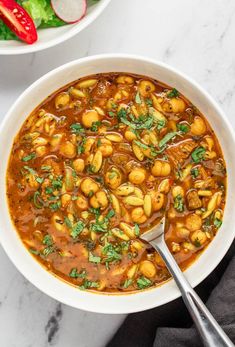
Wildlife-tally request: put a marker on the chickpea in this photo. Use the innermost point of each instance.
(129, 135)
(40, 151)
(81, 203)
(175, 105)
(55, 141)
(177, 190)
(138, 216)
(88, 185)
(89, 143)
(198, 127)
(146, 87)
(87, 83)
(89, 117)
(31, 181)
(147, 268)
(113, 178)
(67, 149)
(125, 79)
(62, 100)
(58, 223)
(78, 165)
(158, 200)
(182, 232)
(164, 186)
(193, 222)
(105, 147)
(161, 168)
(65, 199)
(137, 176)
(99, 200)
(199, 236)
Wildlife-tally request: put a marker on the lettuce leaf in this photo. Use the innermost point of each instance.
(42, 13)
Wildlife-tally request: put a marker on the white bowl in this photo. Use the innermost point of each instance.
(30, 268)
(52, 36)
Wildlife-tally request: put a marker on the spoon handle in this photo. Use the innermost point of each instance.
(211, 333)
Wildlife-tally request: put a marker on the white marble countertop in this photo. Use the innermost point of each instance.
(196, 37)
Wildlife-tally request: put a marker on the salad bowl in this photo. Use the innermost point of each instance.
(52, 32)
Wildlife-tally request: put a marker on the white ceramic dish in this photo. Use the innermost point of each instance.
(9, 239)
(52, 36)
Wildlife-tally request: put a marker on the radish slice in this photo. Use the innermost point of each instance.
(70, 11)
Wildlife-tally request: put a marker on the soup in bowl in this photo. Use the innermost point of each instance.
(99, 162)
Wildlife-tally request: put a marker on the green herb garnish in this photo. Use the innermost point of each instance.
(127, 283)
(167, 138)
(194, 172)
(93, 258)
(77, 129)
(217, 223)
(173, 93)
(184, 128)
(198, 154)
(137, 98)
(137, 230)
(143, 282)
(77, 229)
(179, 203)
(38, 202)
(29, 157)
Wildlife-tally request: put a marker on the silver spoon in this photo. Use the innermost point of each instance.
(211, 333)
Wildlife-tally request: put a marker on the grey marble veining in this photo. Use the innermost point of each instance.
(196, 37)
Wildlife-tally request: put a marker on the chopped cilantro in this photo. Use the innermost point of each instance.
(46, 167)
(111, 114)
(149, 102)
(179, 203)
(68, 222)
(75, 274)
(161, 124)
(197, 243)
(127, 283)
(167, 138)
(81, 148)
(111, 252)
(47, 240)
(38, 202)
(137, 230)
(198, 154)
(39, 179)
(184, 128)
(34, 251)
(77, 128)
(29, 157)
(77, 229)
(89, 284)
(55, 206)
(30, 170)
(173, 93)
(93, 258)
(143, 282)
(95, 126)
(110, 214)
(194, 172)
(137, 98)
(217, 223)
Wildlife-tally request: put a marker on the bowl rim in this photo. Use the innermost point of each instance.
(75, 29)
(140, 296)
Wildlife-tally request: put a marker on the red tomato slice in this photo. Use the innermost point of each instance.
(18, 20)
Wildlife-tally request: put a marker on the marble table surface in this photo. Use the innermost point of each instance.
(196, 37)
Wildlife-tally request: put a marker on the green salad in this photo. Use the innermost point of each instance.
(42, 14)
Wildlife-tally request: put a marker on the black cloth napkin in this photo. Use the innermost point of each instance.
(171, 324)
